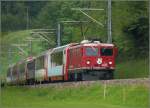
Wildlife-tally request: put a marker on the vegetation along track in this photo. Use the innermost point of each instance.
(137, 81)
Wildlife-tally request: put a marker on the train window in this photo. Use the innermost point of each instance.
(40, 62)
(78, 52)
(57, 58)
(81, 52)
(22, 68)
(71, 55)
(106, 52)
(91, 51)
(14, 70)
(9, 72)
(31, 65)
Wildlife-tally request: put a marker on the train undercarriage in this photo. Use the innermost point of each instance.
(80, 75)
(88, 75)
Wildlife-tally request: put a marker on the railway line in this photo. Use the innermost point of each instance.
(126, 82)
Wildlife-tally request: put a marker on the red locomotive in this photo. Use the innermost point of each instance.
(77, 61)
(92, 61)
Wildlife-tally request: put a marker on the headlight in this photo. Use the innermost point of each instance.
(110, 62)
(87, 62)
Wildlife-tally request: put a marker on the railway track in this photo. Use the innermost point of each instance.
(137, 81)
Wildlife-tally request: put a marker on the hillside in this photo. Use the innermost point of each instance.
(19, 37)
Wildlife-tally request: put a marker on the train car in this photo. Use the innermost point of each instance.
(91, 61)
(76, 61)
(41, 68)
(57, 63)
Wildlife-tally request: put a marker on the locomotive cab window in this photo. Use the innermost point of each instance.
(90, 51)
(106, 51)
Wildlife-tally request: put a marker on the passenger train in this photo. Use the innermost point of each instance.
(88, 60)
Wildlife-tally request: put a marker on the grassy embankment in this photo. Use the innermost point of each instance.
(135, 96)
(138, 68)
(19, 37)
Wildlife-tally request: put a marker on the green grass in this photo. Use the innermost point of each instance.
(80, 97)
(132, 69)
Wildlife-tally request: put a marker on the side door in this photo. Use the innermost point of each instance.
(64, 62)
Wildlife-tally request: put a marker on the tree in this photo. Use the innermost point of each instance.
(138, 33)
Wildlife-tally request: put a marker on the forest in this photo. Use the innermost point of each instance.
(130, 26)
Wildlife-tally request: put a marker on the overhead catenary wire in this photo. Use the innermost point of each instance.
(90, 17)
(59, 28)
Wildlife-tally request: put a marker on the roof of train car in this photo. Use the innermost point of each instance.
(92, 44)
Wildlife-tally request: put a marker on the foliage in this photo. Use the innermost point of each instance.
(14, 14)
(138, 33)
(124, 15)
(137, 68)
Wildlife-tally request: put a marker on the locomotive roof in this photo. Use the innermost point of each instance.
(98, 44)
(94, 44)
